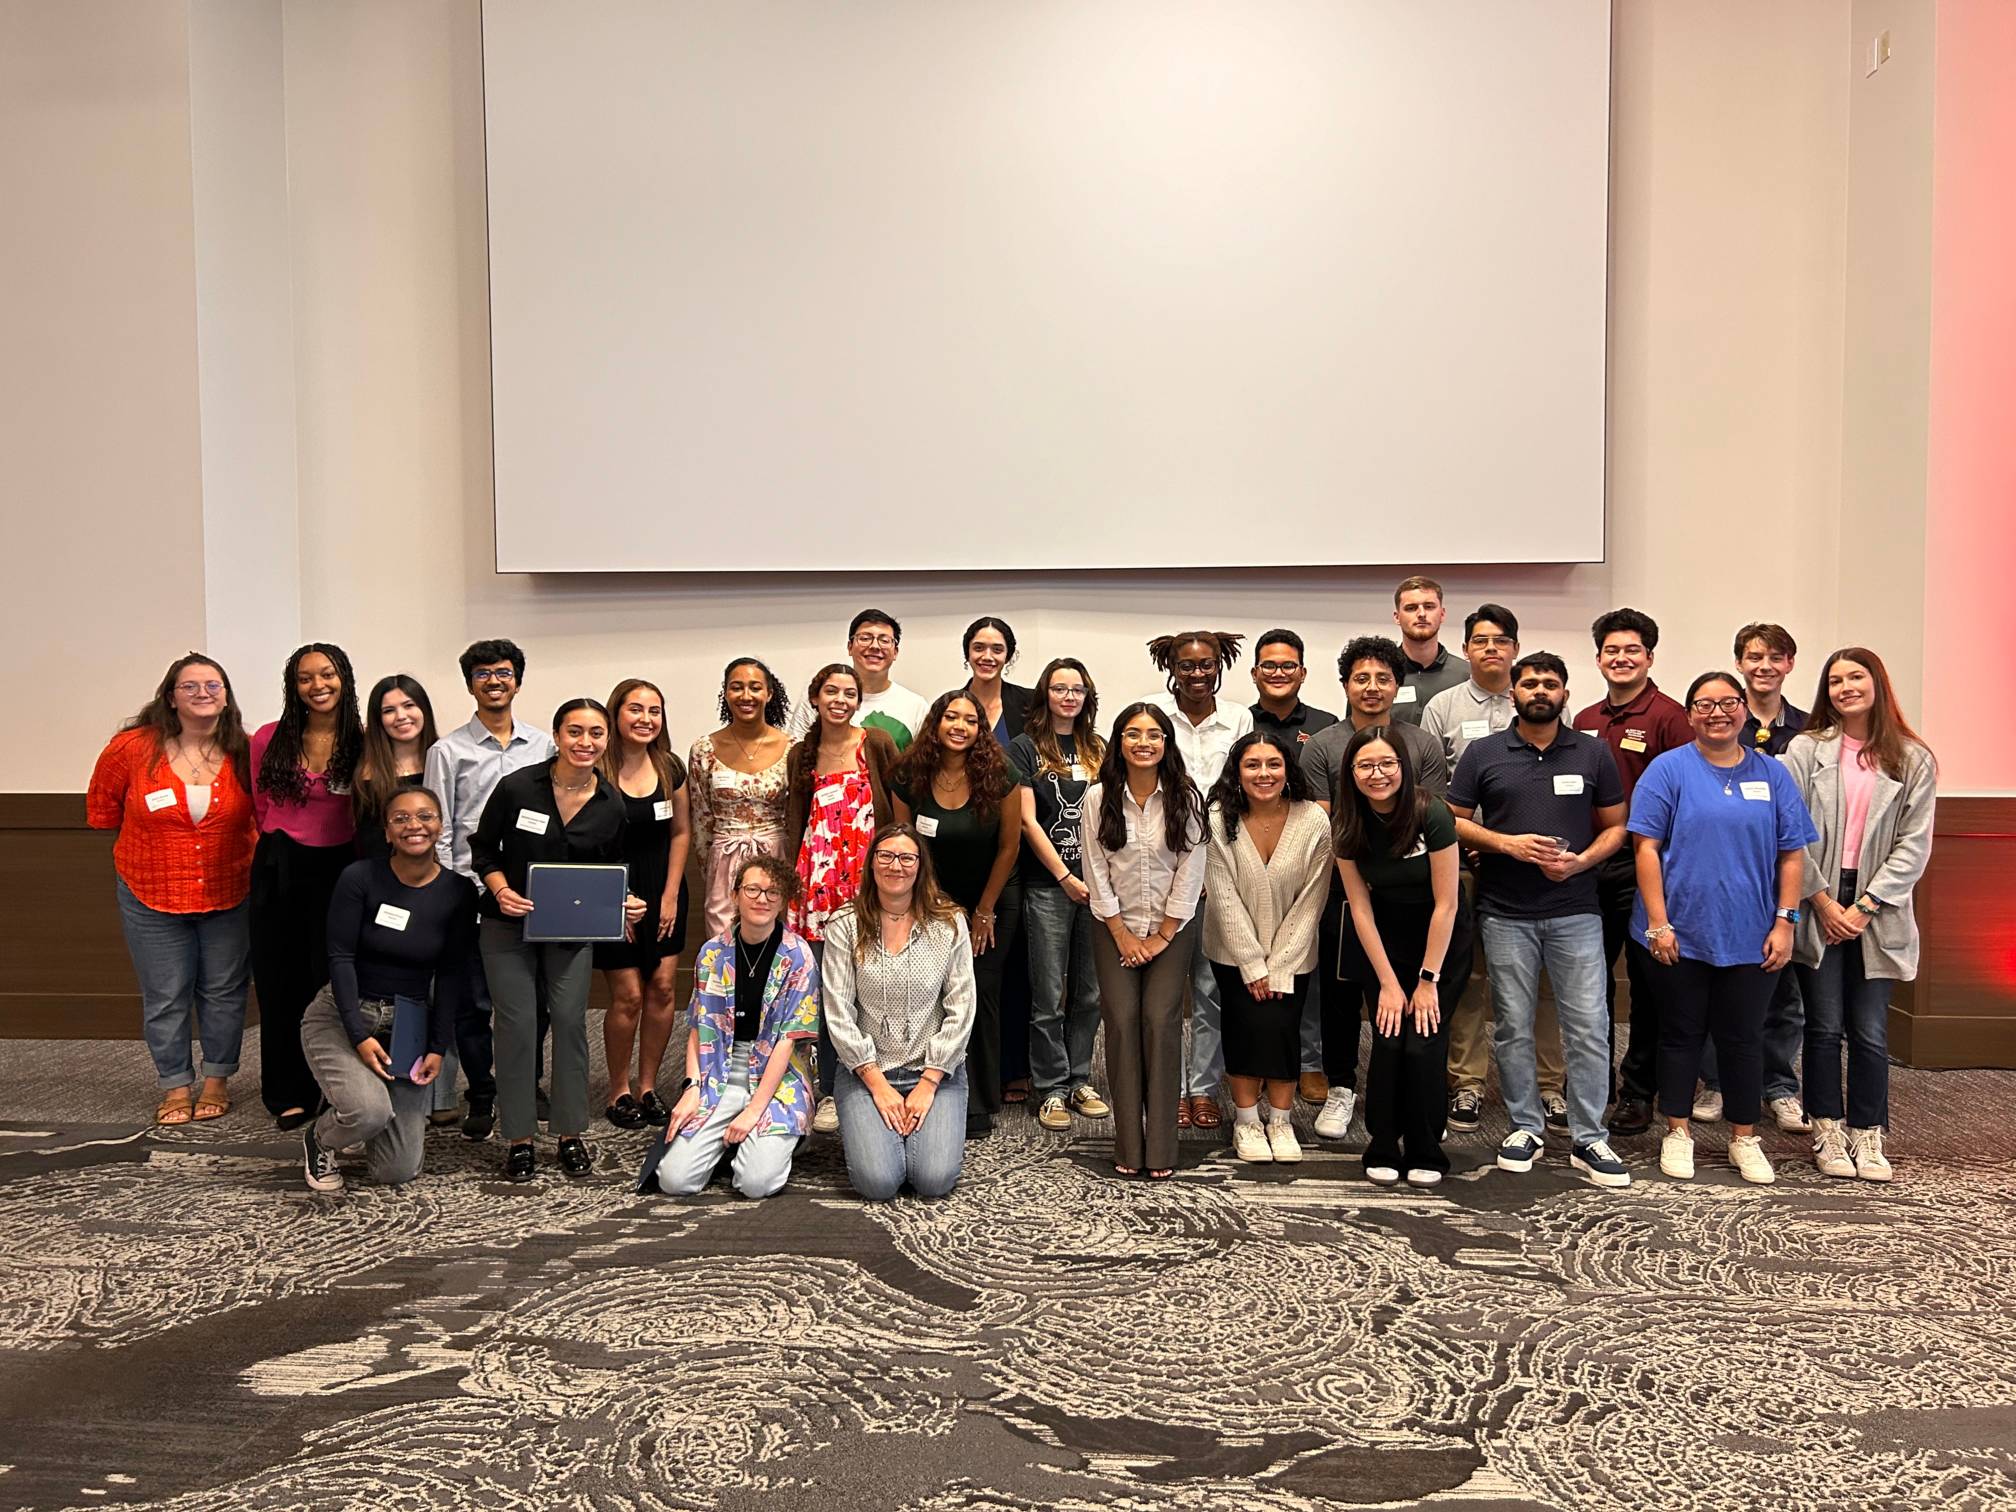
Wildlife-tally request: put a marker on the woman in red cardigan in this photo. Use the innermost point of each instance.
(175, 782)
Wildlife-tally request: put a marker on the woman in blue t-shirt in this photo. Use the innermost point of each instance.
(1720, 834)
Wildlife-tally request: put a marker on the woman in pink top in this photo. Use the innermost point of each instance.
(302, 765)
(1871, 785)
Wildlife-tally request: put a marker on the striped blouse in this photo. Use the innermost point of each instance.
(911, 1011)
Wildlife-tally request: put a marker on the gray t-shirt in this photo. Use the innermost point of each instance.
(1323, 759)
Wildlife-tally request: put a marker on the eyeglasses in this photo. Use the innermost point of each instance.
(1278, 669)
(1142, 738)
(1209, 664)
(414, 819)
(1384, 767)
(507, 675)
(1484, 642)
(191, 689)
(1715, 705)
(761, 894)
(865, 639)
(900, 860)
(1057, 692)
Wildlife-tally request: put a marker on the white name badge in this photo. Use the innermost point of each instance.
(532, 821)
(1567, 784)
(392, 918)
(1756, 792)
(1406, 693)
(1628, 744)
(662, 809)
(159, 799)
(1476, 729)
(926, 825)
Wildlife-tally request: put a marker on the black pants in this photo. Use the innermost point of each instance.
(1727, 1003)
(1406, 1081)
(291, 887)
(1015, 993)
(983, 1051)
(1337, 999)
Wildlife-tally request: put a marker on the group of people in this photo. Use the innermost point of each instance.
(918, 911)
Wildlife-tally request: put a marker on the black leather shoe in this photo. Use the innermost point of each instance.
(519, 1164)
(574, 1158)
(625, 1113)
(479, 1120)
(654, 1113)
(1633, 1116)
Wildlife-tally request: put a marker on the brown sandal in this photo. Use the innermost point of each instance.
(1182, 1112)
(175, 1109)
(1205, 1113)
(211, 1105)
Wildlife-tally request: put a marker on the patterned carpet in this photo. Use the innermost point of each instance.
(183, 1324)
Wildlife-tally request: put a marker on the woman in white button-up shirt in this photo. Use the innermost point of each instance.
(1144, 868)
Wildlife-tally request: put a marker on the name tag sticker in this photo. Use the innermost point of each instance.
(1476, 729)
(392, 918)
(1631, 743)
(1756, 792)
(662, 809)
(1406, 693)
(159, 799)
(1567, 784)
(532, 821)
(926, 825)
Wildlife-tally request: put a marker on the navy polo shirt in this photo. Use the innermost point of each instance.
(1515, 788)
(1772, 739)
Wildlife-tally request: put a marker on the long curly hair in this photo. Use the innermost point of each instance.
(671, 770)
(158, 716)
(1224, 645)
(805, 754)
(377, 774)
(775, 710)
(1084, 729)
(1228, 794)
(988, 778)
(281, 774)
(928, 902)
(1182, 808)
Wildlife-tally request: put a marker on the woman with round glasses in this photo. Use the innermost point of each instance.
(1720, 834)
(755, 1012)
(899, 995)
(176, 783)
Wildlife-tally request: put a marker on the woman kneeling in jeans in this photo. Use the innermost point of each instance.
(899, 1009)
(755, 1013)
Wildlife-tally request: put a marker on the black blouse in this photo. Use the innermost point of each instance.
(521, 825)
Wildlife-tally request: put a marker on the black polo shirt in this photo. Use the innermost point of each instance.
(1514, 788)
(1297, 727)
(1423, 683)
(1772, 739)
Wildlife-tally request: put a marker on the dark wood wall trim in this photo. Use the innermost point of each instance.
(64, 972)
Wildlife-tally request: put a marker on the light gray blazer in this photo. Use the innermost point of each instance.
(1896, 843)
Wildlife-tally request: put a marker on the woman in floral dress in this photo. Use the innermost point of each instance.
(740, 783)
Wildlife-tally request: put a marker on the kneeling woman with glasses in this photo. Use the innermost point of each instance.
(755, 1013)
(899, 1009)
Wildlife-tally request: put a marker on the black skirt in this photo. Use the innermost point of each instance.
(1263, 1036)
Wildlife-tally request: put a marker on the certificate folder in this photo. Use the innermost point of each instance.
(574, 902)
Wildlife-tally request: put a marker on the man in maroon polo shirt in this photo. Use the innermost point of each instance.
(1638, 722)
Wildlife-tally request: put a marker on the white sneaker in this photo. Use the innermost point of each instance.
(1791, 1115)
(1334, 1122)
(1676, 1154)
(1281, 1140)
(1865, 1147)
(1423, 1176)
(1707, 1105)
(1830, 1148)
(1746, 1153)
(1249, 1143)
(826, 1117)
(1382, 1175)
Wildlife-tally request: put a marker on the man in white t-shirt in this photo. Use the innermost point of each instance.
(874, 639)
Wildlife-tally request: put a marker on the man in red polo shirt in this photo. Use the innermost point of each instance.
(1638, 722)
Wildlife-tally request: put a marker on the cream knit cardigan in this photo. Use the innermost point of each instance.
(1261, 916)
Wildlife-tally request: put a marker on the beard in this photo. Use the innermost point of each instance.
(1540, 711)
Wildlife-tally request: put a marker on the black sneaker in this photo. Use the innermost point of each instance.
(1600, 1164)
(1634, 1116)
(1556, 1108)
(574, 1159)
(1465, 1111)
(542, 1105)
(1519, 1151)
(480, 1119)
(319, 1165)
(519, 1163)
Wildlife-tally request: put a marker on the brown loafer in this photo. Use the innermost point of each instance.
(1205, 1113)
(1313, 1087)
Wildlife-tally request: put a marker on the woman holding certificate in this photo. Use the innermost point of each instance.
(563, 811)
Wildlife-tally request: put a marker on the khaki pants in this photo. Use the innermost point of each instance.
(1470, 1029)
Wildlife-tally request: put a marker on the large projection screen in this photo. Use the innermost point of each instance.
(1046, 284)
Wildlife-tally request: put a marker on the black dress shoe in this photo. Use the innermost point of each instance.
(518, 1165)
(625, 1113)
(654, 1113)
(480, 1119)
(542, 1105)
(574, 1158)
(1634, 1116)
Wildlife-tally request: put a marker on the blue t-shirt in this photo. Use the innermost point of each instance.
(1720, 831)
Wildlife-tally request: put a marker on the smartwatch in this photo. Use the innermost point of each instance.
(1789, 915)
(1430, 977)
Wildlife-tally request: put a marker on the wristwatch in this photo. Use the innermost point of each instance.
(1789, 915)
(1430, 977)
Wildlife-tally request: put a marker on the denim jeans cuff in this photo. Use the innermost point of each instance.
(220, 1068)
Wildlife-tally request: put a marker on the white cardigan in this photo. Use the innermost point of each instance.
(1261, 916)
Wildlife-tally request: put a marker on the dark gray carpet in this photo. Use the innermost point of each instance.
(183, 1324)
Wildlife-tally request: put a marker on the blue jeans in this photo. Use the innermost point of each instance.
(1571, 950)
(1205, 1068)
(762, 1161)
(1063, 991)
(1784, 1035)
(199, 961)
(879, 1160)
(1840, 1001)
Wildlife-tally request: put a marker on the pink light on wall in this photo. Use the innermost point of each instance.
(1970, 527)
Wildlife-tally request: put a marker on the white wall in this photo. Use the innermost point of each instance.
(1726, 384)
